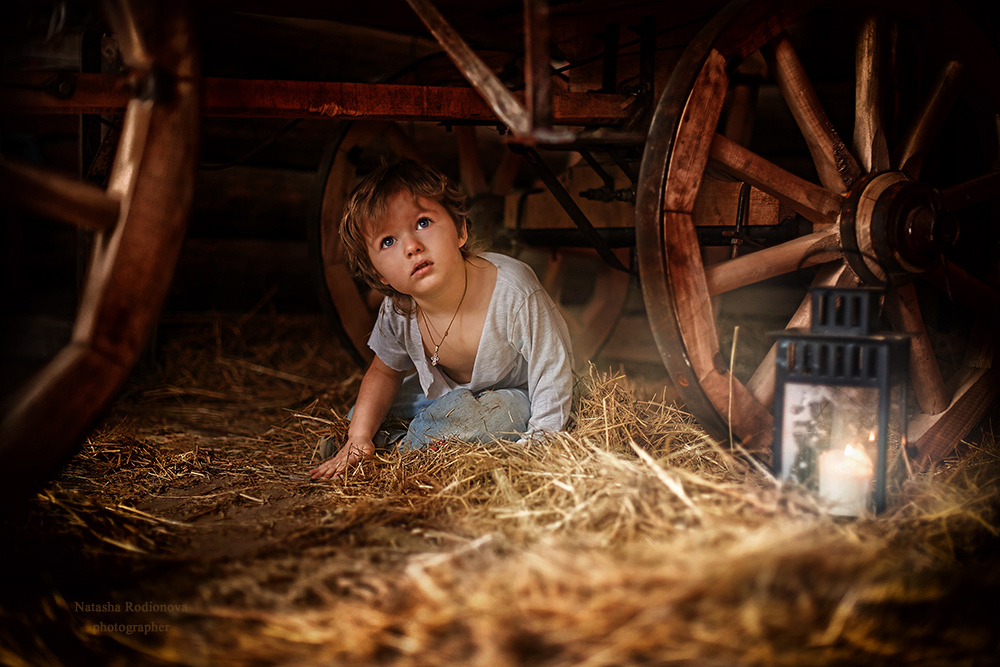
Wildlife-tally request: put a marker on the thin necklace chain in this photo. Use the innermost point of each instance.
(437, 346)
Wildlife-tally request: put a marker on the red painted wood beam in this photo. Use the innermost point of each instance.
(42, 92)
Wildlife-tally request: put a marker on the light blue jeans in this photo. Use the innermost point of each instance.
(460, 415)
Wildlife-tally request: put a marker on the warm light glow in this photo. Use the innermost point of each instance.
(858, 455)
(871, 437)
(845, 480)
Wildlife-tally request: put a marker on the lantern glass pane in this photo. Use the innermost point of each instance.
(829, 442)
(896, 437)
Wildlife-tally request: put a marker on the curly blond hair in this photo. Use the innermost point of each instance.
(369, 202)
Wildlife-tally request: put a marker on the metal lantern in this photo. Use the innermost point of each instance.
(840, 402)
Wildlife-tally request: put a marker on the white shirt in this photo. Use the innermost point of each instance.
(525, 345)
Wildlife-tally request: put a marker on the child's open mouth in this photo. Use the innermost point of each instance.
(420, 267)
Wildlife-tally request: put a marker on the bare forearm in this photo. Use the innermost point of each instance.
(375, 396)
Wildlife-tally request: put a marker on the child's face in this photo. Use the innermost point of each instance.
(416, 247)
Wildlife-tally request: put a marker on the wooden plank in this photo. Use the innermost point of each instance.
(57, 197)
(23, 93)
(252, 202)
(717, 204)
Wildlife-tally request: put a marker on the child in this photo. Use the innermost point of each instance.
(491, 352)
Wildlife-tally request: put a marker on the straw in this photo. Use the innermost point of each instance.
(631, 539)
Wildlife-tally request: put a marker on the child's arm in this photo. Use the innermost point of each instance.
(375, 396)
(545, 344)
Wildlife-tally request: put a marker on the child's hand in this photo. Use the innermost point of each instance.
(353, 452)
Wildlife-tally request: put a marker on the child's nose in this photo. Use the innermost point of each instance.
(413, 245)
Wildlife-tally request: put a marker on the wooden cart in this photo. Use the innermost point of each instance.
(719, 130)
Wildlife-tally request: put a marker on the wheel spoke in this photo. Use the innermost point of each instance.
(972, 192)
(934, 437)
(836, 166)
(131, 260)
(740, 112)
(590, 326)
(913, 150)
(122, 180)
(755, 267)
(351, 300)
(878, 195)
(973, 389)
(124, 22)
(132, 145)
(963, 287)
(470, 170)
(925, 374)
(815, 203)
(869, 133)
(57, 197)
(761, 385)
(402, 143)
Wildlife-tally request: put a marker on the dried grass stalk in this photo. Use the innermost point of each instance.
(630, 539)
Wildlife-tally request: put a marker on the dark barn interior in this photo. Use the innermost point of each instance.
(677, 174)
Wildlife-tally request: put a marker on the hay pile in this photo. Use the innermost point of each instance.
(185, 534)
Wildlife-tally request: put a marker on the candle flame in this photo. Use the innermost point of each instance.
(871, 437)
(857, 454)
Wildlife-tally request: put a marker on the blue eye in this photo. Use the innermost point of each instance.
(386, 242)
(423, 223)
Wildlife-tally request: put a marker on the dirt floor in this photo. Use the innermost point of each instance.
(186, 531)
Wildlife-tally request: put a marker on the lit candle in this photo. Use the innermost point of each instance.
(845, 480)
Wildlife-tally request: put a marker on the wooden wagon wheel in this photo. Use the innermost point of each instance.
(138, 222)
(352, 306)
(887, 209)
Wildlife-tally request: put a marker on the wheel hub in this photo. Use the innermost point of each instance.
(893, 227)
